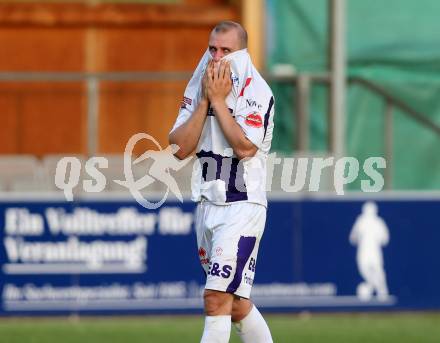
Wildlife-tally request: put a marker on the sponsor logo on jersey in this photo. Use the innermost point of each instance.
(185, 101)
(248, 280)
(202, 255)
(222, 271)
(254, 120)
(235, 80)
(202, 252)
(253, 103)
(252, 264)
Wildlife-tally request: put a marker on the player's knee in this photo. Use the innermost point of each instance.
(217, 303)
(240, 309)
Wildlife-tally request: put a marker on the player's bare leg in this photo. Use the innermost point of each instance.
(217, 303)
(250, 324)
(218, 308)
(240, 309)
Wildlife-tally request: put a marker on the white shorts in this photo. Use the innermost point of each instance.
(228, 237)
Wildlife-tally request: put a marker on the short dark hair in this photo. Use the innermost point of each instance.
(227, 25)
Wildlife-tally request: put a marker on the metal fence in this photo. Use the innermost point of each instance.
(302, 87)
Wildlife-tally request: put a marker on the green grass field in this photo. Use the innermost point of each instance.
(328, 328)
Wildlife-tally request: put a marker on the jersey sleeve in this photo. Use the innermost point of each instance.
(189, 103)
(192, 93)
(185, 111)
(250, 113)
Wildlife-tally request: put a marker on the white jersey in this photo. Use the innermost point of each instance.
(220, 177)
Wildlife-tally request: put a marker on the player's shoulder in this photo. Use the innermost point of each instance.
(259, 79)
(262, 86)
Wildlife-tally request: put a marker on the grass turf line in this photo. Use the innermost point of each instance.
(340, 328)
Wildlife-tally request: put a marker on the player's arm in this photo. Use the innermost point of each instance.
(188, 134)
(354, 234)
(218, 87)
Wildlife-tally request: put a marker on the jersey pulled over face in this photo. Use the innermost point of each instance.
(219, 176)
(222, 44)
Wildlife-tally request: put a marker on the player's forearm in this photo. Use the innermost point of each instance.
(188, 134)
(233, 133)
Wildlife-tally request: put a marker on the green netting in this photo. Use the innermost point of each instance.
(394, 43)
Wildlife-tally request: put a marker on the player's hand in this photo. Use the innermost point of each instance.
(205, 84)
(219, 82)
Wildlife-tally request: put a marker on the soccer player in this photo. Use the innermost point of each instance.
(370, 233)
(227, 118)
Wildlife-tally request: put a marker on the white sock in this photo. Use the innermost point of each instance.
(253, 328)
(217, 329)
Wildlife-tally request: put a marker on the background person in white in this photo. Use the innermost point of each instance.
(370, 234)
(225, 129)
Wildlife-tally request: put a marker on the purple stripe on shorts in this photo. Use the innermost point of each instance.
(245, 247)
